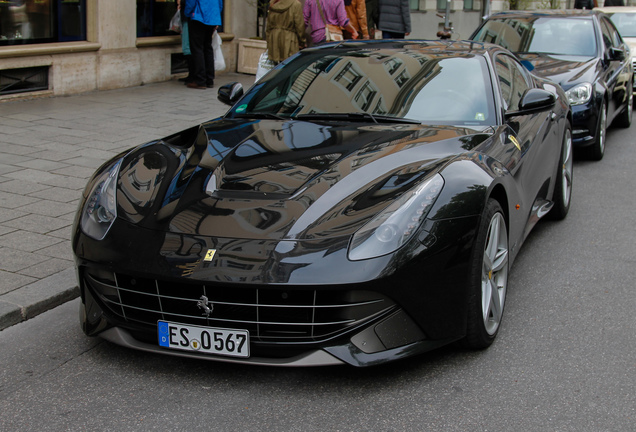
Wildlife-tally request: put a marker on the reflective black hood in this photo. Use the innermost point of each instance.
(280, 179)
(565, 70)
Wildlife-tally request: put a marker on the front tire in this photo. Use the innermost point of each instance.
(488, 278)
(563, 188)
(624, 119)
(597, 150)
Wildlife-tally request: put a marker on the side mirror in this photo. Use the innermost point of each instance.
(616, 54)
(534, 100)
(230, 93)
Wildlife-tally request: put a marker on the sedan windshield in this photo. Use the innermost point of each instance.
(550, 35)
(375, 85)
(625, 23)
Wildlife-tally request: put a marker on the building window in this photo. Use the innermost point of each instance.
(42, 21)
(392, 65)
(365, 96)
(414, 4)
(402, 78)
(348, 77)
(380, 108)
(153, 17)
(441, 5)
(468, 4)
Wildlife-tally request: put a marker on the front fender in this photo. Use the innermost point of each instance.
(469, 181)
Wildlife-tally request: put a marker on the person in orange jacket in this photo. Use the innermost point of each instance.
(357, 13)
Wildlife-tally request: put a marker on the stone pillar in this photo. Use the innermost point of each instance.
(115, 28)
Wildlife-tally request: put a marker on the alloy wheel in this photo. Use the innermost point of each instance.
(566, 171)
(494, 278)
(602, 124)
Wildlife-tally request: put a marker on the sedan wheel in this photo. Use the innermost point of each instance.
(489, 278)
(625, 118)
(597, 150)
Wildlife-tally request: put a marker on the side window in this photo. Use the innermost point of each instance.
(512, 81)
(614, 34)
(504, 75)
(607, 36)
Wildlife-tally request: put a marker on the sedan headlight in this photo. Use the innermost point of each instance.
(579, 94)
(100, 209)
(392, 227)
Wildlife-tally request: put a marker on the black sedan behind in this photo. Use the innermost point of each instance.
(583, 52)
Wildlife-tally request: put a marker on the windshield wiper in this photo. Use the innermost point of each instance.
(262, 115)
(356, 116)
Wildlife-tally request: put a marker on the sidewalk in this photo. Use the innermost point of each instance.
(48, 150)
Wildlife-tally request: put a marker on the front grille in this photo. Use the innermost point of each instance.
(279, 314)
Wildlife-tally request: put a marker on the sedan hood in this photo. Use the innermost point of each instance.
(275, 180)
(565, 70)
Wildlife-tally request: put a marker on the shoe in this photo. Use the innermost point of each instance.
(195, 86)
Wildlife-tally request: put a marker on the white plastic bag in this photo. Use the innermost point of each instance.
(175, 22)
(219, 61)
(264, 66)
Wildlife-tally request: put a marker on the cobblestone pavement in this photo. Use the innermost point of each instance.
(48, 149)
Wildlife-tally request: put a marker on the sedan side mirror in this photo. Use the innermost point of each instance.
(230, 93)
(534, 100)
(616, 54)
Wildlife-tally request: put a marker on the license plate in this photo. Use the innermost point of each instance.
(209, 340)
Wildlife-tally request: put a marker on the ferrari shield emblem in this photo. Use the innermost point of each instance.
(209, 255)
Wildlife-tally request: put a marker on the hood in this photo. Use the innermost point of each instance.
(565, 70)
(275, 180)
(281, 5)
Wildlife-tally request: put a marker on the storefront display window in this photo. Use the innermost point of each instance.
(153, 17)
(42, 21)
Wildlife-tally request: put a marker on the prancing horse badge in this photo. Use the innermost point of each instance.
(209, 255)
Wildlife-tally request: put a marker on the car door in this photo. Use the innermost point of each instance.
(529, 135)
(617, 72)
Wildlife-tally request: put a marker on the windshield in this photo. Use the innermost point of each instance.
(625, 23)
(550, 35)
(388, 84)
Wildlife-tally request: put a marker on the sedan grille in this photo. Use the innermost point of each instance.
(273, 314)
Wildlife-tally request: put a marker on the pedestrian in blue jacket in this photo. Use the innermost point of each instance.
(204, 17)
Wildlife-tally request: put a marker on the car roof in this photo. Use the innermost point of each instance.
(616, 9)
(438, 46)
(548, 13)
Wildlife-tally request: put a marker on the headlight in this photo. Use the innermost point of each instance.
(579, 94)
(100, 209)
(396, 224)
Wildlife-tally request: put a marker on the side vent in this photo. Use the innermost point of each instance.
(24, 80)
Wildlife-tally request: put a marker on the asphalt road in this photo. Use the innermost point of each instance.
(565, 358)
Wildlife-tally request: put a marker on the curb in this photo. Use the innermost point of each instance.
(31, 300)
